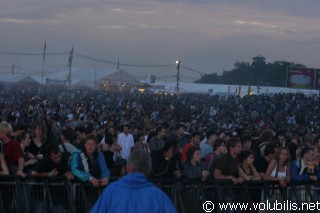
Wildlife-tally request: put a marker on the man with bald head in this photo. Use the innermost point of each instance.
(133, 192)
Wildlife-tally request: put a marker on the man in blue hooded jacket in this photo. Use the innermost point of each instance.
(303, 169)
(134, 193)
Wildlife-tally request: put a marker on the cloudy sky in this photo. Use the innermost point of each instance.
(206, 35)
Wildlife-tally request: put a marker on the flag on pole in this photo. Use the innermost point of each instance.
(44, 51)
(118, 64)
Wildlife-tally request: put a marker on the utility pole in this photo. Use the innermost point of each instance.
(44, 58)
(70, 65)
(178, 75)
(95, 78)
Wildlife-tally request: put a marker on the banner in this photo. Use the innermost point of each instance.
(55, 81)
(302, 78)
(317, 81)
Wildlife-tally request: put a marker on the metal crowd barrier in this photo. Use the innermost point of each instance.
(25, 195)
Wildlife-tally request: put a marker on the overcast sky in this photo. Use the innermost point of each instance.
(206, 35)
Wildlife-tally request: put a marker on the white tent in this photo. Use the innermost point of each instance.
(81, 76)
(11, 78)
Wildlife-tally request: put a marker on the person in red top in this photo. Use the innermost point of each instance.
(194, 141)
(11, 149)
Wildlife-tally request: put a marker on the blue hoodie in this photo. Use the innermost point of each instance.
(295, 169)
(131, 194)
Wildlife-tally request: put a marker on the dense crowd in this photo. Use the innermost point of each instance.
(88, 135)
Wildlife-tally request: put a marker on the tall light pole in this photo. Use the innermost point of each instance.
(178, 75)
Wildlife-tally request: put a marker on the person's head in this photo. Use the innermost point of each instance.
(109, 139)
(193, 154)
(226, 136)
(5, 130)
(39, 130)
(81, 132)
(307, 154)
(283, 156)
(246, 157)
(281, 137)
(54, 153)
(219, 145)
(181, 129)
(18, 129)
(317, 141)
(161, 131)
(139, 161)
(91, 144)
(195, 138)
(24, 138)
(266, 135)
(151, 135)
(211, 136)
(140, 137)
(270, 150)
(246, 142)
(255, 136)
(111, 130)
(296, 140)
(126, 129)
(234, 146)
(67, 134)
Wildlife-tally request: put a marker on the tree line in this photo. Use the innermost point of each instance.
(258, 72)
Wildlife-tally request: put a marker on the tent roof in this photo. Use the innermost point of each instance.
(31, 80)
(81, 75)
(121, 75)
(11, 78)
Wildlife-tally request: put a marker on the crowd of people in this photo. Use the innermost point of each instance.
(88, 135)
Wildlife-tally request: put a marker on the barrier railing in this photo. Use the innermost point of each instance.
(60, 195)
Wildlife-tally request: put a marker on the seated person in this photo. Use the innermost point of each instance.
(53, 164)
(165, 161)
(193, 166)
(93, 167)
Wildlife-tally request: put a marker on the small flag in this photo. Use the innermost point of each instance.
(44, 51)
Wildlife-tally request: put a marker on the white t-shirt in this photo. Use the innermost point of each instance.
(126, 142)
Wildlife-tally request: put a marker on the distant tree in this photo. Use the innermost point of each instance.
(259, 72)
